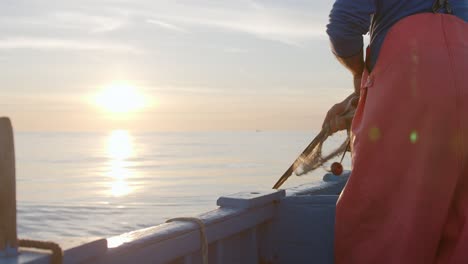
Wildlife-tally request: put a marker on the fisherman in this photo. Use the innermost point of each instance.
(406, 200)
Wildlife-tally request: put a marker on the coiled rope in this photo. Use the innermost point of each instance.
(203, 239)
(57, 252)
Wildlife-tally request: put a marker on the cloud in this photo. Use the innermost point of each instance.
(166, 25)
(92, 23)
(270, 28)
(235, 50)
(64, 21)
(66, 44)
(285, 24)
(293, 23)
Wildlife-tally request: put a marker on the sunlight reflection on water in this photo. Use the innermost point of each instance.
(119, 150)
(104, 184)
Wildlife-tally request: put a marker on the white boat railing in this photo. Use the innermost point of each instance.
(232, 232)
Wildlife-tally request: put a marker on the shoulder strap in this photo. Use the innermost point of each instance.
(441, 4)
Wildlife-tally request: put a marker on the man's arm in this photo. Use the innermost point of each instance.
(335, 118)
(349, 21)
(355, 64)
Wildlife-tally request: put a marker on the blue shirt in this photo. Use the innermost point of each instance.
(351, 19)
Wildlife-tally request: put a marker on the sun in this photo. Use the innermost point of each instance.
(120, 98)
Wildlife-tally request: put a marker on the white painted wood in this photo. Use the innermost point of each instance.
(79, 253)
(250, 199)
(219, 251)
(252, 244)
(188, 259)
(75, 251)
(323, 186)
(173, 240)
(305, 229)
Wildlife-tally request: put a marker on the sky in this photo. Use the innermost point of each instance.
(197, 64)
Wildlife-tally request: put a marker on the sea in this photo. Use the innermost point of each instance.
(98, 185)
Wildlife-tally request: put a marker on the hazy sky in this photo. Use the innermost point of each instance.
(203, 65)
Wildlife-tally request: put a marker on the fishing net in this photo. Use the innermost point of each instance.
(313, 157)
(318, 157)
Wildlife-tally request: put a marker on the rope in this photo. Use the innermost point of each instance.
(57, 253)
(203, 239)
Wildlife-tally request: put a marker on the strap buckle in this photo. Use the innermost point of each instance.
(442, 4)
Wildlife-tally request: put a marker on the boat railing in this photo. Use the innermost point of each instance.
(237, 232)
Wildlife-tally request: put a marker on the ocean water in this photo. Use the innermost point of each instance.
(82, 185)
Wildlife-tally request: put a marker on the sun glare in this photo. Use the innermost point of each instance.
(120, 98)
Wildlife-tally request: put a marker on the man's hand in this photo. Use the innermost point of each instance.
(340, 116)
